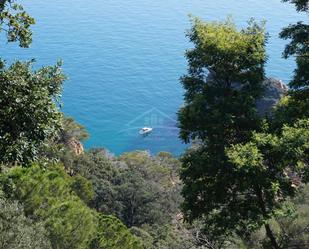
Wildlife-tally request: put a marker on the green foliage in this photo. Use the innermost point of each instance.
(113, 234)
(301, 5)
(169, 236)
(29, 114)
(51, 197)
(83, 188)
(70, 224)
(15, 22)
(291, 227)
(62, 145)
(241, 175)
(143, 235)
(220, 111)
(100, 171)
(47, 195)
(136, 188)
(142, 190)
(18, 231)
(290, 108)
(272, 165)
(222, 48)
(299, 47)
(297, 106)
(294, 230)
(266, 172)
(72, 129)
(139, 200)
(225, 74)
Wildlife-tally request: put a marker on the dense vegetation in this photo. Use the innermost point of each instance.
(243, 183)
(246, 167)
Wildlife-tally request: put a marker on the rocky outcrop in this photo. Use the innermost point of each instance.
(274, 90)
(75, 145)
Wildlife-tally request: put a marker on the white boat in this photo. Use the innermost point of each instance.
(145, 130)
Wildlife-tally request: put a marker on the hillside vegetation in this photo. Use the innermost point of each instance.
(242, 184)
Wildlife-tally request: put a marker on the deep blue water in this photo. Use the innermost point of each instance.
(124, 59)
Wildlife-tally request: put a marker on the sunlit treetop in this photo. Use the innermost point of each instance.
(221, 48)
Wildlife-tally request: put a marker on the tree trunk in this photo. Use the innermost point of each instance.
(269, 232)
(271, 237)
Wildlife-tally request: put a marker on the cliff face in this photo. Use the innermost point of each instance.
(75, 145)
(274, 90)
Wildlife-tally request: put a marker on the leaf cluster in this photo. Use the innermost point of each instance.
(16, 23)
(29, 111)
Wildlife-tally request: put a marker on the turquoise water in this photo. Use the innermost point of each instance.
(124, 59)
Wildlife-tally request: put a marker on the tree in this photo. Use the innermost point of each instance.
(294, 229)
(18, 231)
(15, 22)
(139, 200)
(301, 5)
(113, 234)
(291, 225)
(271, 168)
(299, 36)
(296, 104)
(168, 236)
(29, 113)
(48, 194)
(143, 191)
(95, 166)
(226, 70)
(136, 187)
(230, 182)
(51, 198)
(234, 180)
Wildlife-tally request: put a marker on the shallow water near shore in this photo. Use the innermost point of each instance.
(124, 59)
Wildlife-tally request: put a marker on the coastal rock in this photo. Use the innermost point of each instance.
(274, 90)
(76, 146)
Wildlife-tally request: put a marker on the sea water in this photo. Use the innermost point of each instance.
(124, 58)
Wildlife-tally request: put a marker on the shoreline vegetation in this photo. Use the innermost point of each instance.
(242, 184)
